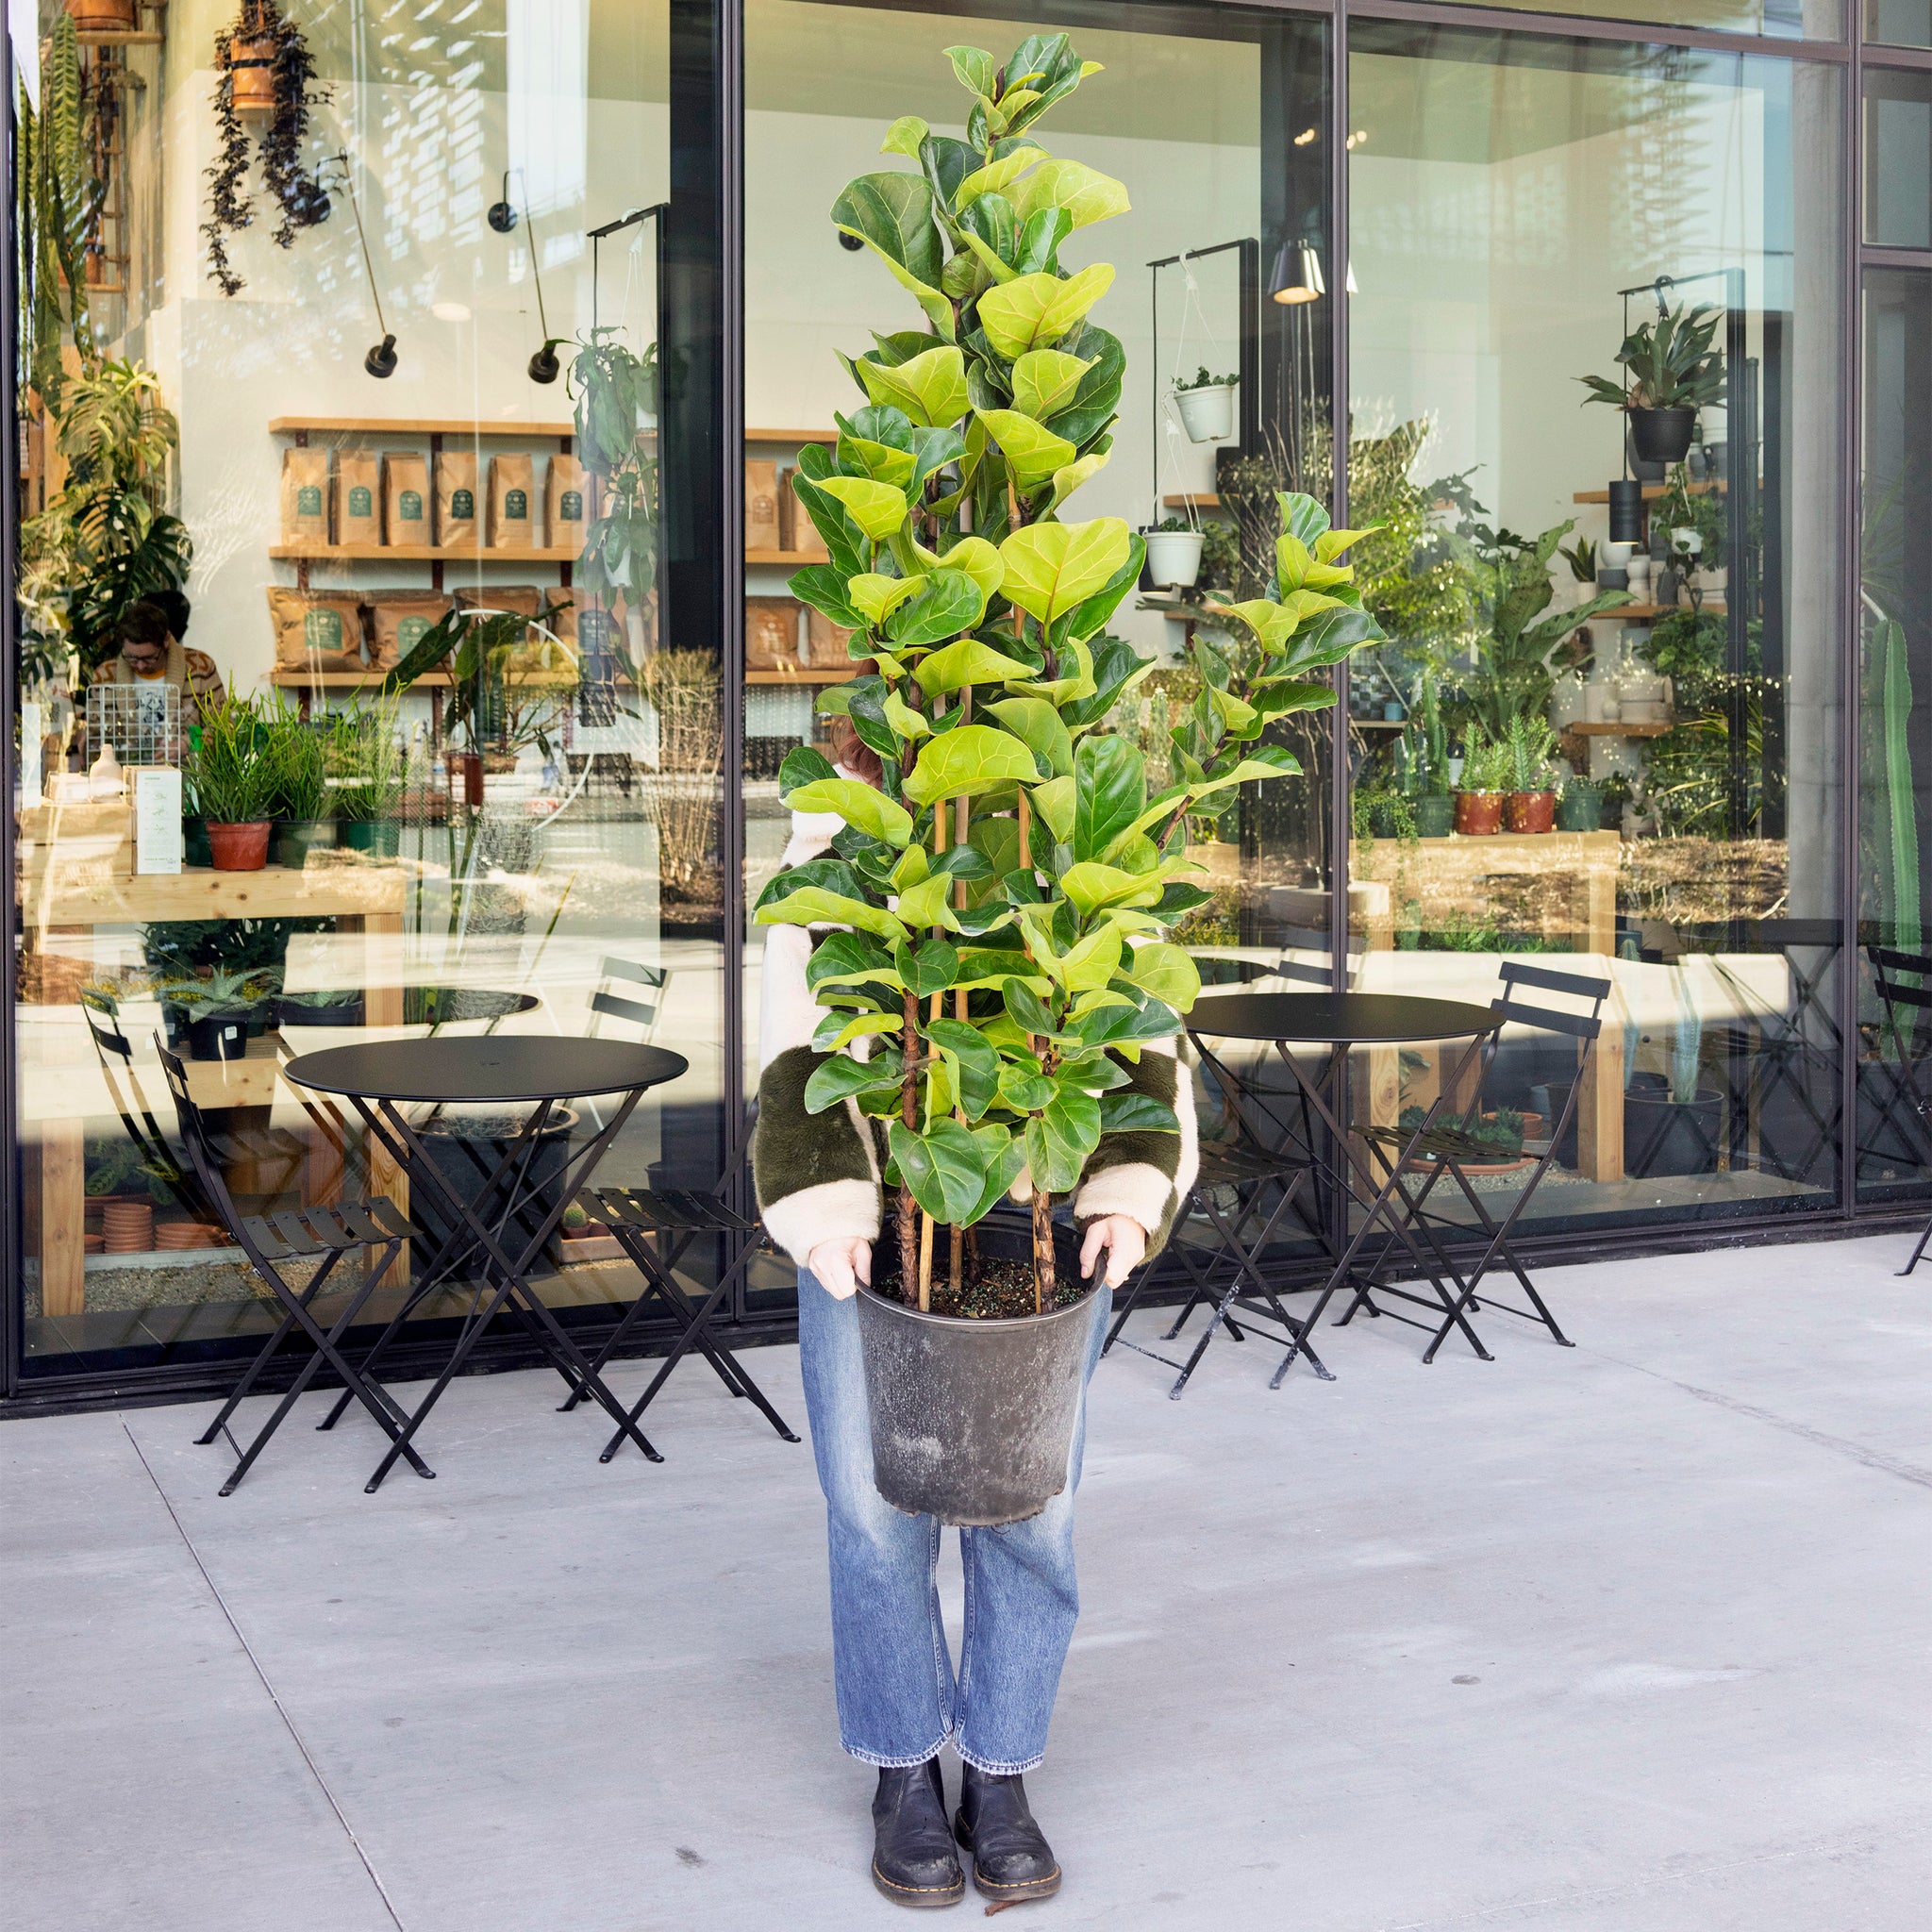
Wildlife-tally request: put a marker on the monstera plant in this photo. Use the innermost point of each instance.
(998, 905)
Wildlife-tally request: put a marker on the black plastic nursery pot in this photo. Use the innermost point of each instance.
(971, 1420)
(218, 1037)
(1663, 436)
(1663, 1135)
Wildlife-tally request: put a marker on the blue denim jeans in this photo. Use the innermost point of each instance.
(898, 1697)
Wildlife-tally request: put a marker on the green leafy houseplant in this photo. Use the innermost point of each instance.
(226, 768)
(1007, 889)
(295, 755)
(1531, 749)
(1203, 380)
(363, 763)
(62, 195)
(1672, 364)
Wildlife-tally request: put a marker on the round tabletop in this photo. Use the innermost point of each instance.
(499, 1067)
(1335, 1018)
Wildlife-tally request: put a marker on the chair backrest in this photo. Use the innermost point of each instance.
(1297, 938)
(1514, 1006)
(1891, 972)
(116, 1057)
(103, 1019)
(638, 1012)
(194, 1138)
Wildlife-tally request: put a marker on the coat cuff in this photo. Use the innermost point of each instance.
(1136, 1187)
(832, 1211)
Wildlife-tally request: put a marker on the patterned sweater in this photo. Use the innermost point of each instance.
(818, 1175)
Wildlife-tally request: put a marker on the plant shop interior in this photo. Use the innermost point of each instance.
(409, 396)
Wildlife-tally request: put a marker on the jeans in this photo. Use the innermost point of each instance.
(898, 1697)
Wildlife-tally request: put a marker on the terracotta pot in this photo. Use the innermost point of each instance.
(252, 74)
(103, 16)
(239, 848)
(1532, 812)
(1480, 813)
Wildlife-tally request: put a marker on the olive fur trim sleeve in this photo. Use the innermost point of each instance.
(1141, 1174)
(817, 1175)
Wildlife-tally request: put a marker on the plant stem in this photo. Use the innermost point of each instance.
(908, 1113)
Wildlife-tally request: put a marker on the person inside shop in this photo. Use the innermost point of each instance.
(152, 654)
(899, 1698)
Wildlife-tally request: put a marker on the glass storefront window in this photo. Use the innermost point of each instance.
(1783, 19)
(1899, 23)
(1898, 158)
(1649, 631)
(376, 423)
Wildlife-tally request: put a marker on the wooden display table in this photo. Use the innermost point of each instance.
(67, 889)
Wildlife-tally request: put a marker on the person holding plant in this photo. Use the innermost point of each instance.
(899, 1699)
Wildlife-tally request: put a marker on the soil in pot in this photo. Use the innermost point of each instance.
(295, 839)
(1663, 436)
(239, 848)
(992, 1286)
(1434, 815)
(379, 838)
(1478, 814)
(1531, 811)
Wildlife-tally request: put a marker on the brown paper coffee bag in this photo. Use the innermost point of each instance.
(305, 496)
(563, 504)
(358, 497)
(827, 642)
(398, 621)
(316, 630)
(770, 633)
(406, 501)
(455, 497)
(512, 502)
(761, 506)
(799, 533)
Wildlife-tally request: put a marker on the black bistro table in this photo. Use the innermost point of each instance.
(1342, 1021)
(537, 1071)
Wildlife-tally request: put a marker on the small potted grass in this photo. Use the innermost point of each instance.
(1532, 803)
(364, 768)
(1483, 787)
(232, 779)
(299, 797)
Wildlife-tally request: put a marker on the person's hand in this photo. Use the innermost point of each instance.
(1126, 1241)
(841, 1266)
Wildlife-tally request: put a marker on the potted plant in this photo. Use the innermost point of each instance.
(216, 1010)
(1673, 369)
(992, 919)
(263, 67)
(1532, 803)
(364, 773)
(1483, 786)
(339, 1007)
(1579, 806)
(232, 782)
(1207, 407)
(1173, 552)
(1426, 761)
(298, 785)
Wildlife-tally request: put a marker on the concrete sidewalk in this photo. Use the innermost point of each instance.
(1633, 1637)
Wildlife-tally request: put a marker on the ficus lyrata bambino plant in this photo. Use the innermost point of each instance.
(997, 906)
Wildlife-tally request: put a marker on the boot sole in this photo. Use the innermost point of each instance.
(919, 1898)
(1012, 1894)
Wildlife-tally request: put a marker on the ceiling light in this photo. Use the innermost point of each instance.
(450, 312)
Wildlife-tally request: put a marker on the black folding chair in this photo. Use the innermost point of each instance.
(332, 1233)
(1905, 981)
(673, 1218)
(1451, 1148)
(1249, 1176)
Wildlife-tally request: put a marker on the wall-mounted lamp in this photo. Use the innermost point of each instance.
(543, 365)
(502, 216)
(381, 360)
(1297, 275)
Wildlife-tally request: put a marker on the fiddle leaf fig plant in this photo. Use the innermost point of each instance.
(997, 906)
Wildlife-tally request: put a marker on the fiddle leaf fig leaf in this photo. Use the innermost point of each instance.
(813, 906)
(840, 1077)
(877, 509)
(975, 556)
(932, 969)
(1051, 568)
(1068, 480)
(905, 135)
(968, 763)
(1087, 194)
(876, 597)
(931, 388)
(1033, 453)
(969, 660)
(863, 806)
(1041, 727)
(1109, 792)
(893, 214)
(998, 175)
(945, 1167)
(947, 603)
(975, 69)
(1167, 972)
(908, 722)
(823, 587)
(1047, 380)
(1035, 312)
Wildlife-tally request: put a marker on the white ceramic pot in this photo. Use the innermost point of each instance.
(1714, 583)
(1602, 701)
(1638, 569)
(1615, 556)
(1206, 414)
(1173, 557)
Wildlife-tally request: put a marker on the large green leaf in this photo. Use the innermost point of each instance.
(858, 455)
(1053, 804)
(875, 596)
(977, 1065)
(968, 763)
(930, 387)
(998, 176)
(840, 1076)
(893, 214)
(1136, 1113)
(822, 586)
(975, 69)
(862, 805)
(1093, 887)
(947, 602)
(978, 558)
(1060, 1141)
(1098, 397)
(970, 660)
(1068, 478)
(816, 906)
(908, 722)
(1167, 972)
(877, 509)
(1035, 312)
(1051, 568)
(1086, 194)
(905, 135)
(1045, 380)
(833, 520)
(1040, 726)
(932, 969)
(1033, 453)
(840, 959)
(991, 231)
(1110, 792)
(945, 1167)
(1091, 962)
(1092, 612)
(929, 903)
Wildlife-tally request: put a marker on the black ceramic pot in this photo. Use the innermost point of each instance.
(346, 1012)
(1663, 1135)
(1663, 436)
(972, 1421)
(218, 1037)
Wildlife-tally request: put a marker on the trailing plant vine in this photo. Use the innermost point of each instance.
(299, 194)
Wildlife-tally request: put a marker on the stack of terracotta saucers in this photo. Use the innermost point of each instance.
(172, 1236)
(129, 1225)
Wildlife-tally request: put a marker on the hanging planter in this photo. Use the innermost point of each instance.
(104, 16)
(1173, 557)
(264, 72)
(1207, 407)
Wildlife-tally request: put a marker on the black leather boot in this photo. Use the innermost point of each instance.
(1011, 1859)
(914, 1862)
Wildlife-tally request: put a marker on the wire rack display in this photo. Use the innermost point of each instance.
(143, 722)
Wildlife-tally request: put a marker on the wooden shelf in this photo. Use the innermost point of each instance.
(785, 559)
(414, 426)
(409, 553)
(115, 37)
(826, 436)
(1643, 613)
(1619, 730)
(842, 674)
(1714, 487)
(1204, 500)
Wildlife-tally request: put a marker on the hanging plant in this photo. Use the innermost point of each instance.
(262, 67)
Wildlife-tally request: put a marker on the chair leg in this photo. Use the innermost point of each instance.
(287, 1327)
(1924, 1237)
